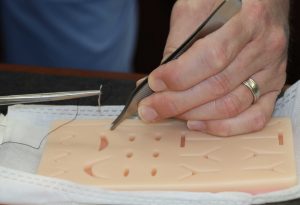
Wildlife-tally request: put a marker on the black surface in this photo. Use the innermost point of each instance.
(154, 18)
(293, 72)
(115, 92)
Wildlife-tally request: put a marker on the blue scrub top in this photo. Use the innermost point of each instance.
(86, 34)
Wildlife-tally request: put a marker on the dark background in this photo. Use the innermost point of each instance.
(294, 46)
(154, 26)
(154, 18)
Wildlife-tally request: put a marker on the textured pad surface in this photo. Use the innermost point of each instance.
(167, 156)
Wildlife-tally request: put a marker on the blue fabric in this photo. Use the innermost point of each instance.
(89, 34)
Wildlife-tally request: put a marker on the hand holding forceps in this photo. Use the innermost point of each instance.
(226, 10)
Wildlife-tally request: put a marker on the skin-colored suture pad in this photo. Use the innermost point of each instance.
(167, 156)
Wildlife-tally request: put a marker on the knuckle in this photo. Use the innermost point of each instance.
(282, 74)
(282, 67)
(259, 120)
(163, 73)
(173, 75)
(223, 130)
(219, 84)
(180, 7)
(229, 106)
(257, 11)
(216, 58)
(166, 106)
(180, 4)
(279, 40)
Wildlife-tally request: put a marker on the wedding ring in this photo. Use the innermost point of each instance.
(253, 87)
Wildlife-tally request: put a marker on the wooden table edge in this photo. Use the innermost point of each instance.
(69, 72)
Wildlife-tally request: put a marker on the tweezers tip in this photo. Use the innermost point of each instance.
(115, 123)
(113, 126)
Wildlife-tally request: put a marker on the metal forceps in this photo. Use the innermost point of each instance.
(45, 97)
(226, 10)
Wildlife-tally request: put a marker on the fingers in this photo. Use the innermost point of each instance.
(226, 107)
(205, 58)
(253, 119)
(239, 99)
(213, 53)
(171, 103)
(205, 102)
(204, 86)
(252, 59)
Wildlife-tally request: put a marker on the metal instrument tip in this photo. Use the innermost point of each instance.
(113, 126)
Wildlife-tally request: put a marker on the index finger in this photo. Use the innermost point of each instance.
(205, 58)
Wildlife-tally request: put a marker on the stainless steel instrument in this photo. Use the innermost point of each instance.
(45, 97)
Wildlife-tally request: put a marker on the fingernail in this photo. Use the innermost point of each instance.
(147, 114)
(196, 125)
(140, 81)
(157, 85)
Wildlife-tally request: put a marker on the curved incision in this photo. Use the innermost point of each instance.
(88, 168)
(103, 143)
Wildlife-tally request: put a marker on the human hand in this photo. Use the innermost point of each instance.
(205, 85)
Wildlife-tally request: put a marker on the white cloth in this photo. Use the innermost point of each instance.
(2, 126)
(29, 124)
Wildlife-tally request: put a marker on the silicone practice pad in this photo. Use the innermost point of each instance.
(167, 156)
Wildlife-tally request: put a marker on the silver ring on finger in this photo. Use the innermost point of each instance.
(254, 89)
